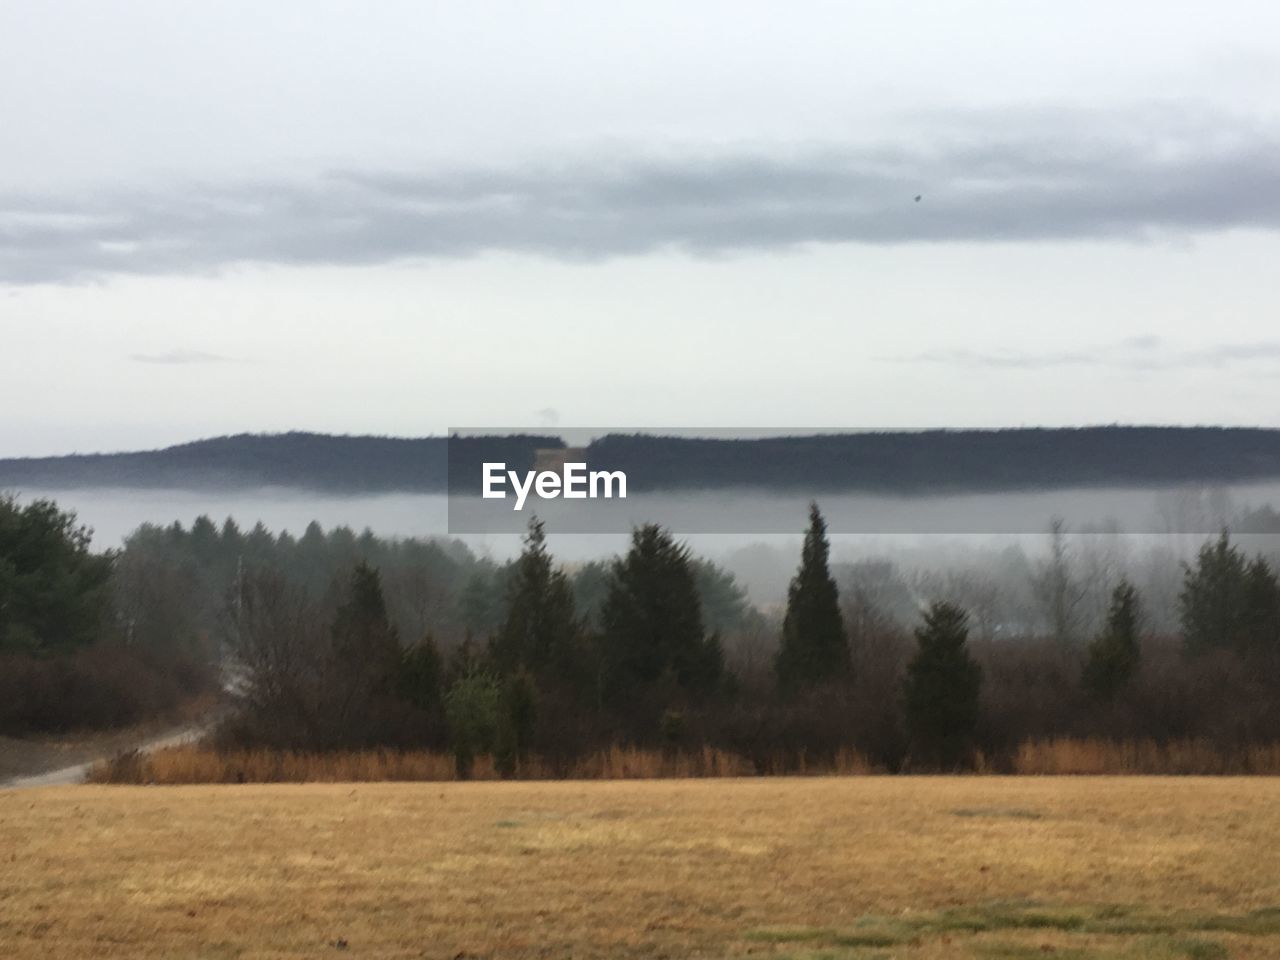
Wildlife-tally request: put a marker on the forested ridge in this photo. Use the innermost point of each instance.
(901, 461)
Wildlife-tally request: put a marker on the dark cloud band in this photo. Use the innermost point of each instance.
(1062, 180)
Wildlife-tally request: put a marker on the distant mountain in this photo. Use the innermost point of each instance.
(951, 460)
(901, 462)
(343, 464)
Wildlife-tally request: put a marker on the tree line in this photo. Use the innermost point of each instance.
(649, 670)
(338, 640)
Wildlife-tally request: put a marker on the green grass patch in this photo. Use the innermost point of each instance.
(847, 953)
(998, 813)
(1029, 951)
(790, 934)
(1131, 933)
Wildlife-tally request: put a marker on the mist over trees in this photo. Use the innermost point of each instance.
(337, 640)
(895, 667)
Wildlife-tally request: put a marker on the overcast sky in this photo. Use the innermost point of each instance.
(399, 217)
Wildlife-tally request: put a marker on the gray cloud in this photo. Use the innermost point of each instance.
(178, 357)
(1136, 353)
(1060, 176)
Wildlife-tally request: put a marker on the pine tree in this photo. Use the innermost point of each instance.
(1260, 630)
(941, 689)
(538, 629)
(366, 642)
(1114, 654)
(54, 591)
(814, 646)
(652, 617)
(1230, 603)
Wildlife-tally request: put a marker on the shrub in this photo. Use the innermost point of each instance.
(93, 689)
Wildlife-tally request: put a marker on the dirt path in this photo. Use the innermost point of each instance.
(75, 773)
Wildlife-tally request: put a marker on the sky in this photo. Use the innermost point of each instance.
(396, 218)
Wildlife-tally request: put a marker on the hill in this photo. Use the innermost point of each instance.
(902, 462)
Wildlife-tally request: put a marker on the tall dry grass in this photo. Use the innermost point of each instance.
(195, 763)
(1177, 757)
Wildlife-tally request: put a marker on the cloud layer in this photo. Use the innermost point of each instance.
(1135, 353)
(1058, 177)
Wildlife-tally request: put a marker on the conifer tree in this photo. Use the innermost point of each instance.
(54, 591)
(941, 689)
(1260, 629)
(1114, 654)
(1231, 603)
(814, 646)
(652, 617)
(538, 629)
(1212, 598)
(365, 640)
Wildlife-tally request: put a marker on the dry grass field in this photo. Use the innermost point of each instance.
(847, 868)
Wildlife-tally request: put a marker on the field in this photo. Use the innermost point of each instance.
(848, 868)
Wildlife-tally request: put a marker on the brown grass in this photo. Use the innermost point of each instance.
(846, 868)
(194, 764)
(201, 764)
(1194, 757)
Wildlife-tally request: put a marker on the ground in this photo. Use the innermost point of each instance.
(33, 756)
(855, 868)
(25, 757)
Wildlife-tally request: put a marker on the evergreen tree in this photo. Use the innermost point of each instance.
(54, 592)
(814, 646)
(1261, 627)
(203, 541)
(1114, 654)
(652, 617)
(482, 598)
(366, 643)
(724, 603)
(538, 630)
(1230, 603)
(941, 689)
